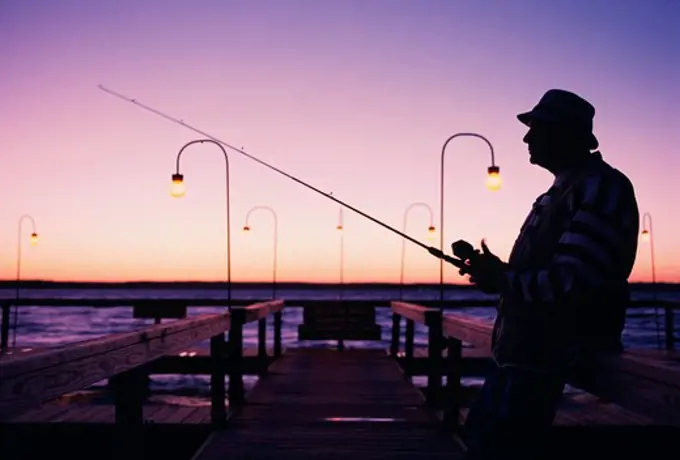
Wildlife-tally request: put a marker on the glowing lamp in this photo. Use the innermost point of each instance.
(339, 228)
(493, 178)
(645, 235)
(431, 231)
(246, 228)
(34, 239)
(177, 186)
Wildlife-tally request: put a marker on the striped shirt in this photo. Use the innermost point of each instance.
(597, 245)
(575, 251)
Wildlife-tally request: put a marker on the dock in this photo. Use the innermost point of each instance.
(309, 402)
(333, 404)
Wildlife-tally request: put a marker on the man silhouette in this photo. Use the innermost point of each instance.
(564, 289)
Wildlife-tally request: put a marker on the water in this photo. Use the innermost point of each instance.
(50, 326)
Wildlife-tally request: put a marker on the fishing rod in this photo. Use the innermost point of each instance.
(431, 249)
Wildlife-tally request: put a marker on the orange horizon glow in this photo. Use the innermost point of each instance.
(390, 273)
(32, 265)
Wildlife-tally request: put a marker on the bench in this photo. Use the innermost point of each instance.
(158, 310)
(339, 321)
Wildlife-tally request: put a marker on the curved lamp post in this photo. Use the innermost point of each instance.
(647, 235)
(177, 190)
(246, 228)
(430, 233)
(34, 241)
(493, 183)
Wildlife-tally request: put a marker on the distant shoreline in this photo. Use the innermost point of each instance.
(42, 284)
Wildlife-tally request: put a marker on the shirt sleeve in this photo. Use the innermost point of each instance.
(593, 249)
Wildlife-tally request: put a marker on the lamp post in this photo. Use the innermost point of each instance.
(177, 190)
(493, 183)
(430, 233)
(34, 241)
(246, 228)
(340, 228)
(647, 235)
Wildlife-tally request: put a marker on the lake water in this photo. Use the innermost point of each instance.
(49, 326)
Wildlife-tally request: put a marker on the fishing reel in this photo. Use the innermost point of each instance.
(464, 252)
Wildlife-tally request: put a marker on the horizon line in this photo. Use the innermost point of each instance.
(14, 282)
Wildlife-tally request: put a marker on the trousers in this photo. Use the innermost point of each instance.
(513, 411)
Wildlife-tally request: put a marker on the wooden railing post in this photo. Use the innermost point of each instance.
(408, 346)
(278, 326)
(453, 375)
(218, 413)
(4, 332)
(669, 327)
(129, 394)
(262, 339)
(236, 390)
(396, 335)
(435, 346)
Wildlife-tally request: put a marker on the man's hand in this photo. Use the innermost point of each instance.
(486, 270)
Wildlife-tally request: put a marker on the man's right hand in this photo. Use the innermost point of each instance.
(487, 270)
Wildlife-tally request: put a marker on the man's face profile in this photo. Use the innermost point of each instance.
(539, 140)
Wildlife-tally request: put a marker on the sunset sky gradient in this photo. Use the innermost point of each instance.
(354, 96)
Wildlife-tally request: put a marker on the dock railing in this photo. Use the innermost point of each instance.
(31, 379)
(646, 382)
(432, 318)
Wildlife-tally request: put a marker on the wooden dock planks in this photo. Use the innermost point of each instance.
(309, 403)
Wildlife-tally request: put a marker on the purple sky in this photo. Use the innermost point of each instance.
(355, 97)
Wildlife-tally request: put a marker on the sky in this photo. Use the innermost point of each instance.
(355, 97)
